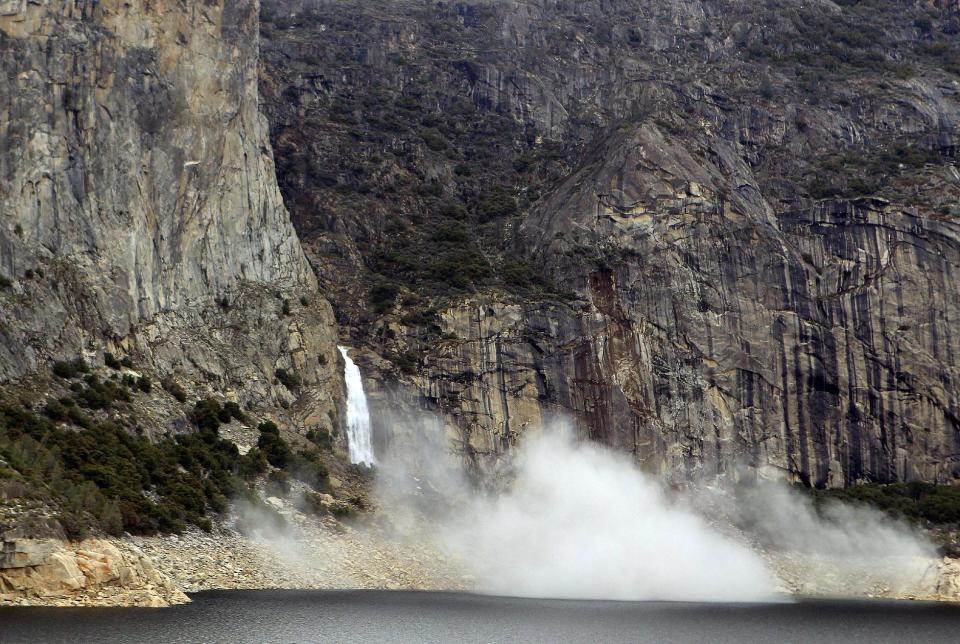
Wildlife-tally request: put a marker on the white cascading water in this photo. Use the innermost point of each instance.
(359, 439)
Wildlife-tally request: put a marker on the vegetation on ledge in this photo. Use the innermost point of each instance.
(916, 501)
(84, 456)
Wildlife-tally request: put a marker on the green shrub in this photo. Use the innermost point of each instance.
(111, 361)
(459, 268)
(524, 162)
(69, 369)
(450, 231)
(100, 394)
(382, 296)
(521, 275)
(495, 204)
(421, 318)
(144, 384)
(434, 140)
(278, 483)
(406, 362)
(312, 503)
(98, 478)
(320, 437)
(233, 410)
(920, 501)
(307, 467)
(253, 463)
(274, 448)
(452, 210)
(78, 418)
(341, 510)
(54, 410)
(207, 415)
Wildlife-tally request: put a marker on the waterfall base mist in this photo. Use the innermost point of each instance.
(580, 522)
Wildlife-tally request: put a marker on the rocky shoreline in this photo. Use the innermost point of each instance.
(309, 552)
(323, 555)
(93, 572)
(936, 579)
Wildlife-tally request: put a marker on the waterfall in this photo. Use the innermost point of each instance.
(359, 439)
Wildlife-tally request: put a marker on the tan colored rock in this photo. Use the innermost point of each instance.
(96, 571)
(948, 580)
(22, 553)
(97, 567)
(61, 572)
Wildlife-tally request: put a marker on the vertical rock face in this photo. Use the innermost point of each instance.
(819, 342)
(747, 212)
(711, 336)
(138, 201)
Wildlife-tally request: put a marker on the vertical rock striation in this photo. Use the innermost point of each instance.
(139, 210)
(747, 212)
(820, 342)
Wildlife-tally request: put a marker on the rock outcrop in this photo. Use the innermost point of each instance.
(91, 572)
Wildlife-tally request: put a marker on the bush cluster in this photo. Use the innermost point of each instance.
(274, 448)
(305, 466)
(495, 204)
(937, 504)
(320, 437)
(70, 369)
(106, 478)
(100, 394)
(207, 414)
(860, 173)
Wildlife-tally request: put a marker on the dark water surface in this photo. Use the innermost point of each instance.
(383, 616)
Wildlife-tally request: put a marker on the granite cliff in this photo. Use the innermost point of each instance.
(143, 241)
(720, 234)
(140, 212)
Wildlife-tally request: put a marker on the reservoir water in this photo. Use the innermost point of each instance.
(399, 616)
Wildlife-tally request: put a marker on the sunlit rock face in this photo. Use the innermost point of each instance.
(750, 209)
(139, 210)
(88, 572)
